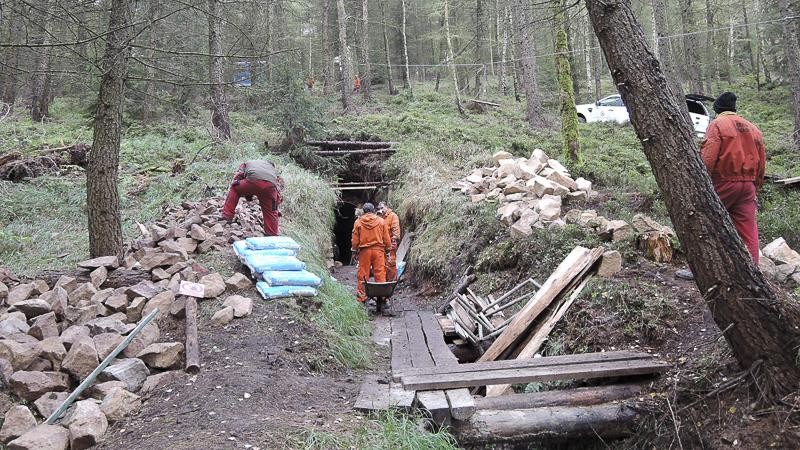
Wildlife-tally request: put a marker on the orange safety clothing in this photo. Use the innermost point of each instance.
(372, 242)
(393, 226)
(370, 258)
(733, 150)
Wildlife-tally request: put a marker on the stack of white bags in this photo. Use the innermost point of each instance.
(273, 261)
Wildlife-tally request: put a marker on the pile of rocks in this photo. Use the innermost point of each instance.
(780, 261)
(531, 191)
(54, 334)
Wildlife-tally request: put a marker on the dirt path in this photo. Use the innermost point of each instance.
(259, 387)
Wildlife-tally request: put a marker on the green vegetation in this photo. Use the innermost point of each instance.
(386, 432)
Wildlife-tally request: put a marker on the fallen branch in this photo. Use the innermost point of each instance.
(353, 145)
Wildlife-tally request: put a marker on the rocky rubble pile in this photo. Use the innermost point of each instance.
(54, 334)
(780, 261)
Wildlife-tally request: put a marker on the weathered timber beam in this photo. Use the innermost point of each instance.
(583, 396)
(370, 151)
(192, 342)
(350, 144)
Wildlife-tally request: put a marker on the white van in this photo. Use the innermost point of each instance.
(611, 109)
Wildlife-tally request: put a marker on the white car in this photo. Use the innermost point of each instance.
(611, 109)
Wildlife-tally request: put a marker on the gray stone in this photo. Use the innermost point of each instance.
(40, 365)
(118, 403)
(102, 325)
(540, 155)
(67, 283)
(162, 301)
(576, 198)
(161, 259)
(19, 293)
(40, 287)
(160, 380)
(780, 252)
(583, 184)
(214, 285)
(188, 244)
(74, 333)
(117, 303)
(557, 166)
(20, 355)
(222, 317)
(6, 370)
(105, 343)
(32, 307)
(44, 326)
(617, 230)
(242, 306)
(3, 291)
(131, 371)
(58, 299)
(162, 355)
(549, 208)
(32, 385)
(82, 294)
(145, 288)
(134, 310)
(561, 179)
(610, 264)
(523, 226)
(23, 338)
(43, 437)
(53, 350)
(501, 155)
(17, 421)
(86, 424)
(48, 403)
(98, 276)
(110, 262)
(784, 271)
(238, 281)
(99, 391)
(13, 325)
(149, 334)
(81, 359)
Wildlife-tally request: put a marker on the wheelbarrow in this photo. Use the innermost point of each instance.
(380, 292)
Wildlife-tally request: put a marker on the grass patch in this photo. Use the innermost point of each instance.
(386, 432)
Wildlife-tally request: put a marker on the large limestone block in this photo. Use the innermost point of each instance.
(81, 359)
(43, 437)
(162, 355)
(86, 424)
(780, 252)
(19, 354)
(118, 403)
(31, 385)
(17, 421)
(523, 226)
(131, 371)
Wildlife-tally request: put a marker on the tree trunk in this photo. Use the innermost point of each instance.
(712, 52)
(366, 79)
(480, 32)
(327, 71)
(390, 77)
(790, 37)
(504, 52)
(451, 57)
(587, 53)
(663, 48)
(102, 196)
(762, 328)
(535, 112)
(11, 55)
(344, 60)
(596, 65)
(148, 113)
(219, 106)
(754, 66)
(691, 54)
(40, 104)
(407, 75)
(569, 117)
(576, 85)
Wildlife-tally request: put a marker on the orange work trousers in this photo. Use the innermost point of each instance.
(391, 266)
(370, 258)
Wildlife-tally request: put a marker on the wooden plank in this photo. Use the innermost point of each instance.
(462, 404)
(789, 180)
(577, 262)
(417, 346)
(405, 245)
(373, 396)
(401, 358)
(190, 331)
(583, 396)
(435, 402)
(545, 361)
(447, 325)
(536, 339)
(528, 375)
(399, 397)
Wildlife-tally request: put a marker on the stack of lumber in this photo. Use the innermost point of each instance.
(345, 148)
(529, 328)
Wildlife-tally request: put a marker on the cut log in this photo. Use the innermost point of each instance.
(192, 343)
(352, 145)
(584, 396)
(573, 267)
(655, 246)
(369, 151)
(482, 102)
(545, 425)
(116, 278)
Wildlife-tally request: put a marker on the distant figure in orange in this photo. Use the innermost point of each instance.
(357, 85)
(310, 82)
(392, 223)
(371, 244)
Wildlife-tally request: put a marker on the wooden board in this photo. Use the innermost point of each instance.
(528, 375)
(792, 180)
(576, 263)
(401, 359)
(582, 396)
(417, 346)
(405, 245)
(435, 402)
(545, 361)
(373, 396)
(399, 397)
(462, 404)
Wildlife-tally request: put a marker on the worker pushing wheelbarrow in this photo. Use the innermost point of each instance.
(374, 248)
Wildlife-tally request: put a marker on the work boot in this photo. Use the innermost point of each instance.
(684, 274)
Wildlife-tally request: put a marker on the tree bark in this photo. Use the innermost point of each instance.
(535, 112)
(692, 62)
(761, 328)
(569, 117)
(790, 37)
(327, 71)
(102, 196)
(40, 103)
(754, 66)
(148, 107)
(219, 106)
(664, 50)
(504, 52)
(451, 58)
(366, 79)
(390, 77)
(344, 59)
(480, 32)
(407, 75)
(11, 55)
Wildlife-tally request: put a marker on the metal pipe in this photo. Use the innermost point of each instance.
(90, 379)
(514, 289)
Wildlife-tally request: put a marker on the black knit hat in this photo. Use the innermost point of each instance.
(725, 102)
(368, 207)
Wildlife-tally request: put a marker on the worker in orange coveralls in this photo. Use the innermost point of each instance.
(393, 226)
(257, 178)
(372, 245)
(357, 85)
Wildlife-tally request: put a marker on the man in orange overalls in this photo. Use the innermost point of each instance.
(393, 226)
(357, 85)
(372, 244)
